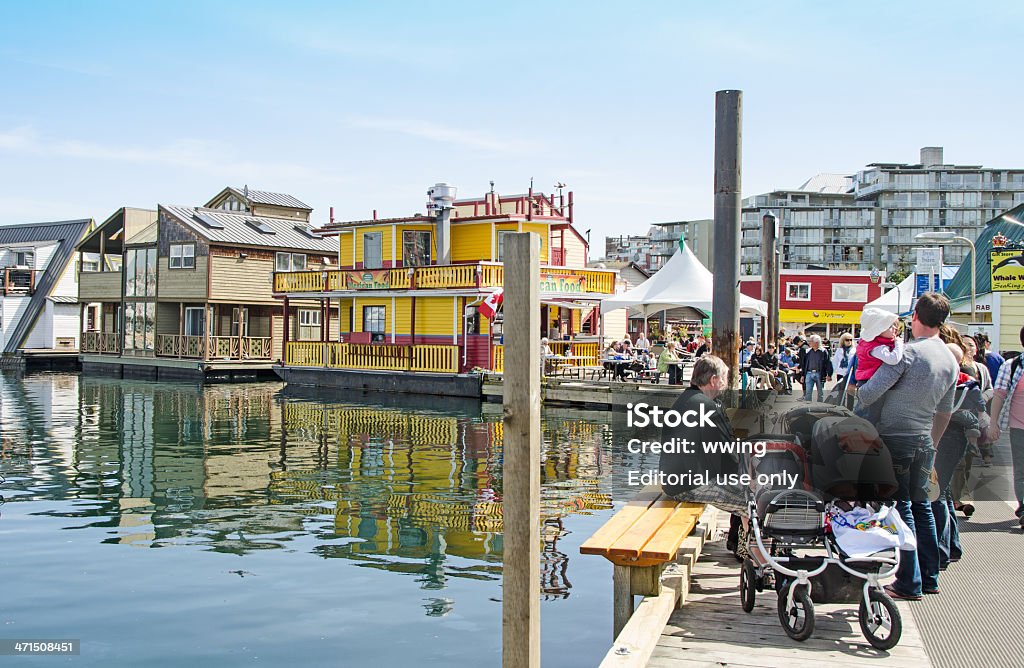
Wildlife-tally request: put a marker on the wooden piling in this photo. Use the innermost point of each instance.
(521, 472)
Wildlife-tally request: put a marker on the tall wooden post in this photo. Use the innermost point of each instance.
(725, 301)
(520, 608)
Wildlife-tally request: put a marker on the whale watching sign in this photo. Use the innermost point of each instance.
(1007, 270)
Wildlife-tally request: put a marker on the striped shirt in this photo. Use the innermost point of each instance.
(1005, 386)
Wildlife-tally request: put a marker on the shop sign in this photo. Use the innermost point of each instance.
(563, 283)
(368, 279)
(818, 315)
(1007, 270)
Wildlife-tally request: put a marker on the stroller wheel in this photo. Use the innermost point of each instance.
(797, 619)
(880, 621)
(748, 582)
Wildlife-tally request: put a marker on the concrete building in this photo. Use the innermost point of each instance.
(869, 219)
(652, 250)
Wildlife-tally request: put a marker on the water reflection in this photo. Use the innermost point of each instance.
(411, 488)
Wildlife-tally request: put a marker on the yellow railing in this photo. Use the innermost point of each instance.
(483, 274)
(499, 358)
(590, 351)
(374, 356)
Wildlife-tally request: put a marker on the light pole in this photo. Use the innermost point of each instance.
(770, 274)
(946, 238)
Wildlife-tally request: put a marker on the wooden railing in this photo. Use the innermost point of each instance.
(373, 356)
(499, 358)
(100, 342)
(590, 351)
(482, 274)
(18, 281)
(220, 347)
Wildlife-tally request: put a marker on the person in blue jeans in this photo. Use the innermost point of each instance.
(918, 402)
(816, 367)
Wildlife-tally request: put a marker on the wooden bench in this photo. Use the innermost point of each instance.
(642, 539)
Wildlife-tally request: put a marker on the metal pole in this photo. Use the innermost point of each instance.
(725, 315)
(520, 609)
(769, 274)
(974, 279)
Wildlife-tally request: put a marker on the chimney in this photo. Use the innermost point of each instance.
(441, 202)
(931, 155)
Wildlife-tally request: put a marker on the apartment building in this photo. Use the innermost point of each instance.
(869, 219)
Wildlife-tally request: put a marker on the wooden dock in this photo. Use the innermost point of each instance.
(711, 629)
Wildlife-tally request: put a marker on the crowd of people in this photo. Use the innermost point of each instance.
(938, 402)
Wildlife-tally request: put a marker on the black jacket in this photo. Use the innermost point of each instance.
(826, 365)
(679, 463)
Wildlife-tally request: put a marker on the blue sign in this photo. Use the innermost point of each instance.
(922, 284)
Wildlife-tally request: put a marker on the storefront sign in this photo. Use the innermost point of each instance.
(818, 315)
(563, 283)
(1007, 268)
(368, 279)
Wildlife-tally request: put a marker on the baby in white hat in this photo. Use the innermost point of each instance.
(878, 342)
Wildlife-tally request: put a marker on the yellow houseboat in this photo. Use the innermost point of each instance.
(409, 289)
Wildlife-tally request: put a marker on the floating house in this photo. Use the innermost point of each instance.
(409, 291)
(185, 291)
(38, 294)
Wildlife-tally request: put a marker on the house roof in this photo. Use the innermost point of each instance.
(960, 285)
(240, 229)
(67, 234)
(262, 197)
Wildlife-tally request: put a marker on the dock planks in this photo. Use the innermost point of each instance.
(711, 629)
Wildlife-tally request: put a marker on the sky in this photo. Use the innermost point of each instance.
(364, 105)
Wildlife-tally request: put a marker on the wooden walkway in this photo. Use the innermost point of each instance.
(711, 629)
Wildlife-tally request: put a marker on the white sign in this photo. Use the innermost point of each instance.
(929, 260)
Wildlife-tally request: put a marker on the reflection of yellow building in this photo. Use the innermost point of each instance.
(411, 484)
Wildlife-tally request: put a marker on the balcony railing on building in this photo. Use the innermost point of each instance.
(18, 281)
(479, 275)
(214, 347)
(373, 357)
(101, 342)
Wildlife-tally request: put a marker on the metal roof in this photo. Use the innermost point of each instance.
(237, 231)
(63, 299)
(67, 234)
(261, 197)
(960, 285)
(833, 184)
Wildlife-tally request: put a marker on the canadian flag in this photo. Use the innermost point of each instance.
(489, 307)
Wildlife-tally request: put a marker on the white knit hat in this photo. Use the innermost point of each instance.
(874, 321)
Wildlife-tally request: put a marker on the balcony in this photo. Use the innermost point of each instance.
(99, 286)
(106, 343)
(439, 277)
(378, 357)
(214, 347)
(18, 281)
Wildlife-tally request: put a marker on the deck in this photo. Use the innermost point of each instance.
(163, 368)
(711, 629)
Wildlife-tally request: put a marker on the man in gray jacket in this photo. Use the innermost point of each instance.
(918, 401)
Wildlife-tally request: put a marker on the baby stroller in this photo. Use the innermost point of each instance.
(796, 549)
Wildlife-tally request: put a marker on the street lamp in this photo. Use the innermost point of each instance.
(945, 238)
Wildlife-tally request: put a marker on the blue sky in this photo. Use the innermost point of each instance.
(363, 105)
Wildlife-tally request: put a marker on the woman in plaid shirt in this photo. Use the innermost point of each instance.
(1008, 411)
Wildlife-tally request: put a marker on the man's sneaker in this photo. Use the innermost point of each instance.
(893, 594)
(932, 591)
(1021, 520)
(968, 509)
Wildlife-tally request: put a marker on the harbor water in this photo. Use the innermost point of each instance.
(177, 524)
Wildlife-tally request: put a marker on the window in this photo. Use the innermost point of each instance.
(373, 319)
(850, 292)
(291, 262)
(309, 324)
(798, 292)
(372, 250)
(501, 243)
(195, 319)
(415, 249)
(183, 256)
(25, 258)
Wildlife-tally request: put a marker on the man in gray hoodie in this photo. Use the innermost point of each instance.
(918, 401)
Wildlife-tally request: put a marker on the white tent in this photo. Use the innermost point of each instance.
(899, 300)
(683, 281)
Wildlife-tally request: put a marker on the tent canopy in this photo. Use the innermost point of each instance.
(683, 281)
(899, 300)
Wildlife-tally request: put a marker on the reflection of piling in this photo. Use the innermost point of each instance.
(725, 314)
(520, 610)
